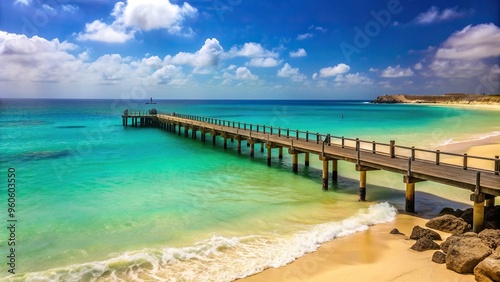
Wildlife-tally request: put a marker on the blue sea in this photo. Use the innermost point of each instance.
(97, 201)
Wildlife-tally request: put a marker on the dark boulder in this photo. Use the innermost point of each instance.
(467, 216)
(395, 231)
(465, 253)
(439, 257)
(489, 269)
(425, 244)
(490, 237)
(447, 210)
(448, 223)
(419, 232)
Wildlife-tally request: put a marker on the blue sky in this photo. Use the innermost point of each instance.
(242, 49)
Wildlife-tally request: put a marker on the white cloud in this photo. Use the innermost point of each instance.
(110, 69)
(352, 79)
(396, 71)
(373, 70)
(263, 62)
(154, 14)
(252, 50)
(315, 76)
(208, 56)
(243, 73)
(293, 73)
(99, 31)
(299, 53)
(36, 59)
(70, 8)
(472, 43)
(23, 2)
(418, 66)
(434, 15)
(140, 15)
(49, 10)
(333, 71)
(169, 74)
(304, 36)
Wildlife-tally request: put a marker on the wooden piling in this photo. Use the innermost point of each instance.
(262, 147)
(252, 149)
(410, 197)
(280, 156)
(334, 170)
(478, 208)
(306, 162)
(362, 186)
(489, 200)
(239, 145)
(295, 163)
(325, 174)
(214, 139)
(225, 143)
(269, 155)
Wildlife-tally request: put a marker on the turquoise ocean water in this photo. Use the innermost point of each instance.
(96, 200)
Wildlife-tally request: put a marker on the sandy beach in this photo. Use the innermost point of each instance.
(375, 254)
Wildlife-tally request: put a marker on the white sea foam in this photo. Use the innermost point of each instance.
(218, 258)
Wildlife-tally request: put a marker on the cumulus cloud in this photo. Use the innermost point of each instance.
(304, 36)
(243, 73)
(263, 62)
(397, 71)
(472, 43)
(433, 15)
(36, 59)
(352, 79)
(299, 53)
(293, 73)
(251, 50)
(142, 15)
(208, 56)
(23, 2)
(99, 31)
(333, 71)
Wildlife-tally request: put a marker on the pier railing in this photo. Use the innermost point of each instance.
(426, 155)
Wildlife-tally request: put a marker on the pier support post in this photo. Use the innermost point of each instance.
(213, 139)
(186, 131)
(335, 169)
(489, 200)
(325, 175)
(262, 147)
(252, 149)
(295, 163)
(239, 145)
(362, 186)
(410, 192)
(478, 212)
(306, 162)
(362, 180)
(193, 133)
(268, 155)
(280, 156)
(225, 143)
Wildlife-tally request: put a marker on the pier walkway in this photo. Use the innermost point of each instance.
(415, 165)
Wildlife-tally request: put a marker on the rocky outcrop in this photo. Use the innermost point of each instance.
(465, 254)
(451, 98)
(448, 223)
(489, 269)
(490, 237)
(395, 231)
(425, 244)
(439, 257)
(419, 232)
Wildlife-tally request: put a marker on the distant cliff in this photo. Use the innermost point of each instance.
(441, 99)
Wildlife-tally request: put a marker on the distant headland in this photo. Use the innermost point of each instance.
(450, 98)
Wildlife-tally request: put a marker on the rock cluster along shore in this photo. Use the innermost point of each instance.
(464, 251)
(441, 99)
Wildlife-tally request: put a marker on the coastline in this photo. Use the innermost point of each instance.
(372, 254)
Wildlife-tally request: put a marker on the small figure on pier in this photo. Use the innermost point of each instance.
(125, 113)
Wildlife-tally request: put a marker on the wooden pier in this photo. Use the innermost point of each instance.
(415, 165)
